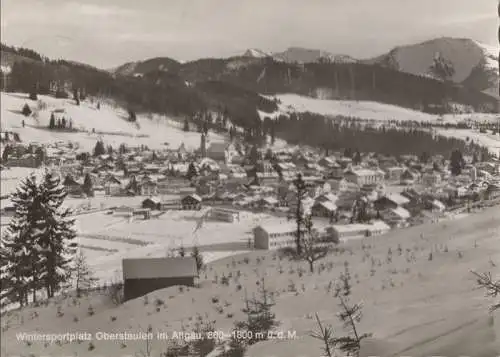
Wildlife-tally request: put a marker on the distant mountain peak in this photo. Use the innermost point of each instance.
(472, 63)
(256, 53)
(307, 55)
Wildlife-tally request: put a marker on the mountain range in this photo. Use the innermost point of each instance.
(436, 76)
(475, 65)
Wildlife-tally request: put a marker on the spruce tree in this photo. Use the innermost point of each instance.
(99, 149)
(87, 186)
(195, 253)
(58, 239)
(22, 252)
(192, 172)
(52, 122)
(26, 110)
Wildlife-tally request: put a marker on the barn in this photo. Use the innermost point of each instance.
(191, 202)
(144, 275)
(153, 203)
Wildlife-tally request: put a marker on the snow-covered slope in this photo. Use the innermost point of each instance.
(373, 111)
(367, 110)
(110, 124)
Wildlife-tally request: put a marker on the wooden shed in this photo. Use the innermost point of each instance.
(144, 275)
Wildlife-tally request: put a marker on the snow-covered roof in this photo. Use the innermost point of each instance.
(397, 198)
(328, 205)
(401, 212)
(281, 227)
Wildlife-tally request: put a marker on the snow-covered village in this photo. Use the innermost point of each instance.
(290, 204)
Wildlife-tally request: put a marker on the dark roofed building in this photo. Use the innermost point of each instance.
(191, 202)
(144, 275)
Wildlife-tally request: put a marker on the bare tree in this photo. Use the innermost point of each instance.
(84, 278)
(491, 286)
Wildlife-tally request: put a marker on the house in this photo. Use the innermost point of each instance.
(357, 230)
(409, 177)
(275, 236)
(268, 202)
(364, 176)
(327, 197)
(328, 162)
(153, 203)
(391, 200)
(72, 186)
(144, 275)
(325, 209)
(396, 217)
(431, 178)
(112, 186)
(339, 185)
(394, 173)
(437, 206)
(224, 214)
(191, 202)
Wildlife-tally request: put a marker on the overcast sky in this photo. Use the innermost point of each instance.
(106, 33)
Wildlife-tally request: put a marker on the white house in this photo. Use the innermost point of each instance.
(275, 236)
(358, 230)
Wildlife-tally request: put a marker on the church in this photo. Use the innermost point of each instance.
(217, 151)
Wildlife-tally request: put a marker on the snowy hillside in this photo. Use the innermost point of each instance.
(365, 110)
(110, 124)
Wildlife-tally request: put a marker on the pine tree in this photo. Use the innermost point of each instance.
(301, 192)
(357, 158)
(58, 238)
(87, 186)
(312, 250)
(82, 274)
(192, 171)
(6, 152)
(195, 253)
(52, 122)
(260, 318)
(22, 254)
(26, 111)
(186, 125)
(99, 148)
(456, 162)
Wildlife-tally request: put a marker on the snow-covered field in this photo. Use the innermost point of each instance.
(106, 239)
(368, 110)
(109, 123)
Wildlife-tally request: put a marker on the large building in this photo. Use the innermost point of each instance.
(275, 236)
(364, 176)
(357, 230)
(142, 276)
(224, 214)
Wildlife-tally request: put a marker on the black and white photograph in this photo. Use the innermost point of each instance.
(250, 178)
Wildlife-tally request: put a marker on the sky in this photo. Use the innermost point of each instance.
(107, 33)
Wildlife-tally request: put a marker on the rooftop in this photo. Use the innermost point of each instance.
(151, 268)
